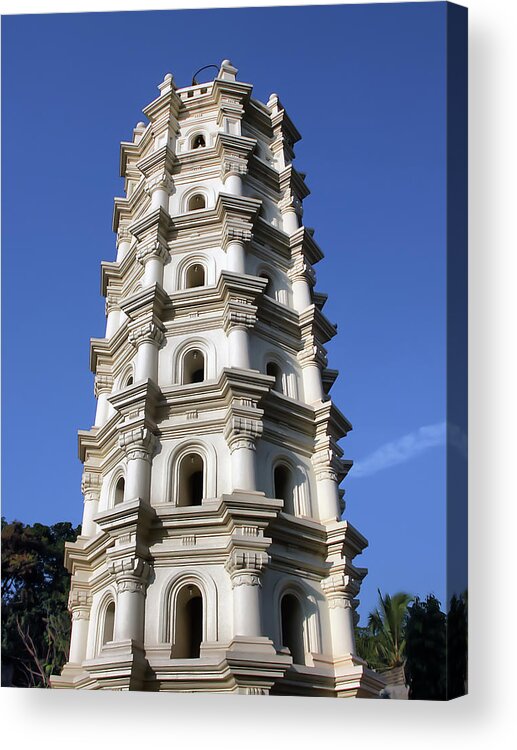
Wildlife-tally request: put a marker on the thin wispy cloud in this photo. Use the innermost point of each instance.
(402, 450)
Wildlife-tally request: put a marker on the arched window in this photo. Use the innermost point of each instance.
(198, 141)
(108, 627)
(189, 623)
(129, 381)
(194, 367)
(195, 276)
(191, 480)
(292, 627)
(196, 202)
(119, 491)
(284, 487)
(274, 371)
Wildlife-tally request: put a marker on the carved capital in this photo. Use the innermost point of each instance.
(159, 181)
(311, 354)
(138, 443)
(102, 384)
(112, 302)
(340, 590)
(79, 603)
(91, 484)
(242, 432)
(327, 465)
(240, 319)
(245, 567)
(148, 332)
(153, 250)
(131, 574)
(123, 235)
(301, 270)
(290, 203)
(236, 233)
(233, 165)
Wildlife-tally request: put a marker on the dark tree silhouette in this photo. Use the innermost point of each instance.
(35, 585)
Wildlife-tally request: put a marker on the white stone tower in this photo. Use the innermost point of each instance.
(212, 557)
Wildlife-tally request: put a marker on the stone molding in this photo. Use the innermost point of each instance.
(311, 354)
(91, 484)
(148, 332)
(234, 232)
(301, 270)
(103, 384)
(246, 566)
(340, 590)
(242, 432)
(131, 574)
(123, 234)
(79, 603)
(155, 249)
(112, 302)
(240, 319)
(233, 165)
(159, 181)
(138, 443)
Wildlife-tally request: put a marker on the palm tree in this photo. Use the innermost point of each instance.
(387, 626)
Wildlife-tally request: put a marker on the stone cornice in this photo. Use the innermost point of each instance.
(302, 242)
(153, 225)
(125, 520)
(344, 542)
(315, 325)
(149, 301)
(140, 399)
(163, 159)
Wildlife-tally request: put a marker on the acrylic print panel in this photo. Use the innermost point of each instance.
(222, 535)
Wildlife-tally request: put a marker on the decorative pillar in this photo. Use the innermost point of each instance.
(301, 276)
(159, 187)
(233, 170)
(311, 374)
(241, 434)
(236, 256)
(113, 313)
(147, 339)
(123, 242)
(245, 569)
(91, 488)
(153, 258)
(327, 485)
(340, 591)
(102, 389)
(79, 605)
(139, 445)
(290, 208)
(236, 326)
(131, 576)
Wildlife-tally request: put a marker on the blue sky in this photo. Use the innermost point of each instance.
(365, 85)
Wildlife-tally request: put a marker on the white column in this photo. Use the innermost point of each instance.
(312, 385)
(138, 445)
(238, 341)
(159, 187)
(301, 294)
(153, 258)
(290, 221)
(131, 575)
(91, 488)
(245, 569)
(243, 465)
(123, 243)
(236, 254)
(79, 604)
(233, 183)
(102, 389)
(328, 496)
(340, 590)
(147, 339)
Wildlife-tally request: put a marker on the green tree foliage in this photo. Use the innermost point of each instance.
(382, 644)
(35, 585)
(426, 650)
